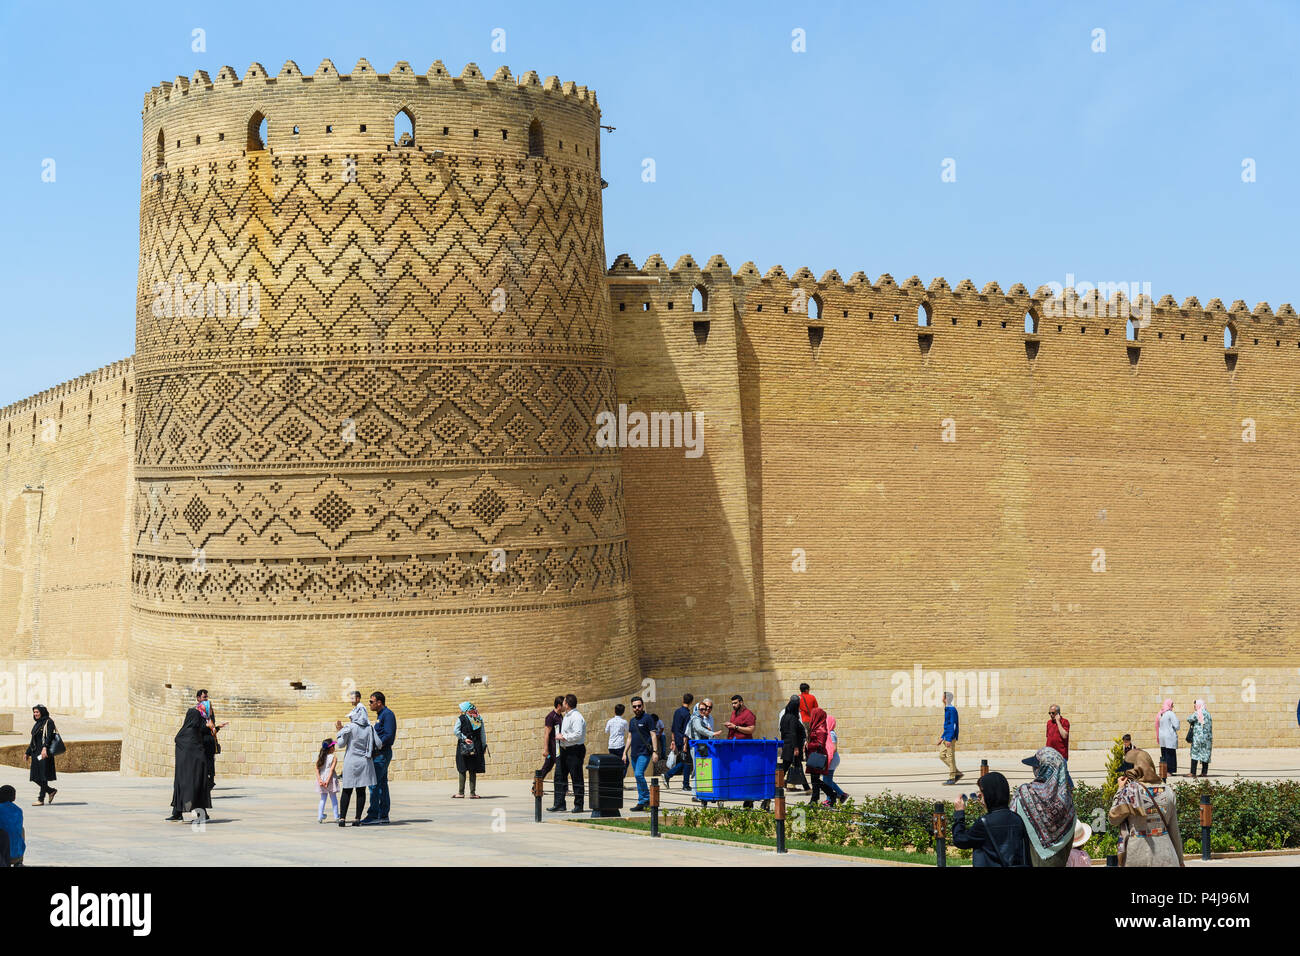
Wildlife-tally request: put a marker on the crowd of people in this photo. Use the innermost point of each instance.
(1034, 826)
(1037, 826)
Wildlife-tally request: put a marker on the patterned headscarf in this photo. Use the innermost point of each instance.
(1047, 804)
(469, 710)
(1167, 705)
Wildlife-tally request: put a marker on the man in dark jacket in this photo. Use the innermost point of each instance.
(677, 743)
(998, 837)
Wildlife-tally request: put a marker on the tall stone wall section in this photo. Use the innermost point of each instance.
(388, 478)
(64, 526)
(1069, 511)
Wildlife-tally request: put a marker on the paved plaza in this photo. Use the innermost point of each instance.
(104, 819)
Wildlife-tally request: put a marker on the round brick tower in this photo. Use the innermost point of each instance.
(373, 335)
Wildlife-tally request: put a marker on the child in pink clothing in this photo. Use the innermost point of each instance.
(1082, 834)
(327, 784)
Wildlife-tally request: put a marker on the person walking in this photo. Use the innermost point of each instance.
(616, 727)
(818, 758)
(211, 746)
(793, 738)
(677, 743)
(834, 791)
(327, 782)
(1058, 732)
(358, 764)
(1167, 736)
(807, 704)
(552, 725)
(190, 789)
(385, 725)
(1145, 811)
(471, 749)
(572, 740)
(641, 748)
(1202, 730)
(742, 723)
(948, 739)
(700, 727)
(39, 756)
(997, 838)
(1047, 806)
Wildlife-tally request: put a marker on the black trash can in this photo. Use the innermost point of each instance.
(605, 784)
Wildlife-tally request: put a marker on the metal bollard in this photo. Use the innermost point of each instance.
(1206, 816)
(940, 847)
(780, 811)
(537, 796)
(654, 806)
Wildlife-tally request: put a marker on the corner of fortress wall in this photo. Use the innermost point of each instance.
(965, 496)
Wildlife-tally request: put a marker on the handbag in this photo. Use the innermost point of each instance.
(1189, 733)
(57, 746)
(816, 762)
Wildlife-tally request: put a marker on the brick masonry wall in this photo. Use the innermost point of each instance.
(64, 577)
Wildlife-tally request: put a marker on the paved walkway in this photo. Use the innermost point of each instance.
(102, 819)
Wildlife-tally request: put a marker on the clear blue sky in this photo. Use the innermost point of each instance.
(1117, 166)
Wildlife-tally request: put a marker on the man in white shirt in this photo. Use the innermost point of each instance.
(616, 727)
(572, 739)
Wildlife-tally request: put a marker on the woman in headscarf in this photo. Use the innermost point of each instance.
(998, 837)
(1202, 738)
(792, 742)
(836, 792)
(471, 748)
(190, 787)
(1167, 735)
(359, 761)
(1047, 807)
(700, 727)
(819, 757)
(1145, 811)
(39, 756)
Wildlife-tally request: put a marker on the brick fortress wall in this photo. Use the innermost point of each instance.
(388, 479)
(63, 525)
(1094, 531)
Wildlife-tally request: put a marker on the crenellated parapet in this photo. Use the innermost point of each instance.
(204, 119)
(120, 370)
(1123, 311)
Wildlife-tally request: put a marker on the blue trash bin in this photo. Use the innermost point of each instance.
(735, 769)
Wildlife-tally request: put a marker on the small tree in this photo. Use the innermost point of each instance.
(1114, 763)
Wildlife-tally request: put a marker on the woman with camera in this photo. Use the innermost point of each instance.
(998, 838)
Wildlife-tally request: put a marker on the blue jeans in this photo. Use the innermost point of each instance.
(641, 761)
(379, 792)
(831, 786)
(683, 766)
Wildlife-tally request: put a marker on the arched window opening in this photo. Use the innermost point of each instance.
(257, 131)
(162, 147)
(815, 307)
(1031, 323)
(699, 299)
(923, 314)
(404, 128)
(535, 138)
(1229, 336)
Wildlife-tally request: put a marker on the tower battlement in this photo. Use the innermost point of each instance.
(201, 119)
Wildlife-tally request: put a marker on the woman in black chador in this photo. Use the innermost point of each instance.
(190, 789)
(38, 754)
